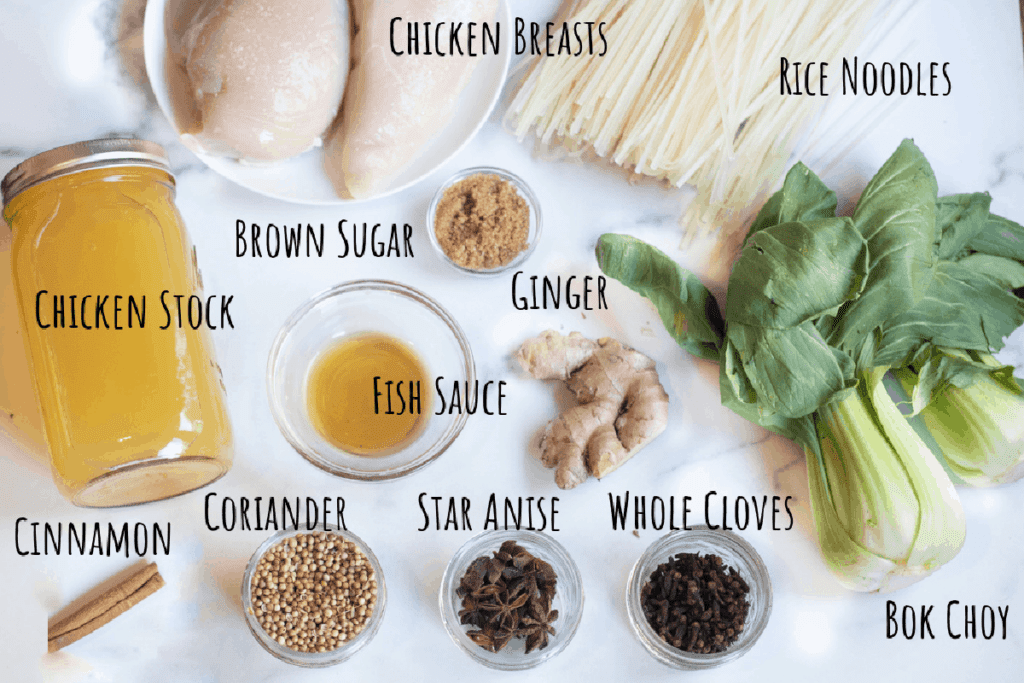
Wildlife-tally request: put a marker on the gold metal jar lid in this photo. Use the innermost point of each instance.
(82, 156)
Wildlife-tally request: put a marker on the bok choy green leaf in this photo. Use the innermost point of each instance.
(786, 277)
(687, 309)
(896, 215)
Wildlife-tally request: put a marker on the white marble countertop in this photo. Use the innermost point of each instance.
(72, 71)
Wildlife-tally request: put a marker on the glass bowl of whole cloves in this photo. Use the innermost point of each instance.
(511, 599)
(698, 599)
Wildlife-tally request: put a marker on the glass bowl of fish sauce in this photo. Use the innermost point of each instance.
(351, 379)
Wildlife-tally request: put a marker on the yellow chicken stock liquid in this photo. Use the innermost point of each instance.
(132, 414)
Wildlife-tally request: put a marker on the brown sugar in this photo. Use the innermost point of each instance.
(482, 222)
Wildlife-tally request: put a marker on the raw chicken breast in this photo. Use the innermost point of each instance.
(267, 76)
(395, 104)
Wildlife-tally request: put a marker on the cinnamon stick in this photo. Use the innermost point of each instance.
(131, 590)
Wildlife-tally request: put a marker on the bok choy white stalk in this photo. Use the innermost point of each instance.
(885, 511)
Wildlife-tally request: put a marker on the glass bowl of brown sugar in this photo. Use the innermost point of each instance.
(698, 599)
(484, 221)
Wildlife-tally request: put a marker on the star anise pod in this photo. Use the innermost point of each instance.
(474, 577)
(518, 585)
(507, 612)
(489, 590)
(501, 638)
(494, 569)
(530, 621)
(510, 548)
(539, 607)
(470, 612)
(538, 639)
(484, 639)
(511, 572)
(521, 559)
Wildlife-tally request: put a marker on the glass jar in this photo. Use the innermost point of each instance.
(132, 402)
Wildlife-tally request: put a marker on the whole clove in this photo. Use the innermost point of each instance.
(696, 603)
(508, 596)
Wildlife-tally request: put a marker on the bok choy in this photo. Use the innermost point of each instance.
(818, 309)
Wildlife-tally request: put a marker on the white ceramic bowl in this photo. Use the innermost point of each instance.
(302, 178)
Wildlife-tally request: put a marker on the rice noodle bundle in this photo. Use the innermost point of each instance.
(689, 91)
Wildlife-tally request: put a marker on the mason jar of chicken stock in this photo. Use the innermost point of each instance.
(130, 395)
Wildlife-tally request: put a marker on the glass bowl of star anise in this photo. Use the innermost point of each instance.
(511, 599)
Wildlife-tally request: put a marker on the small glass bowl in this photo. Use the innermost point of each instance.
(358, 307)
(522, 189)
(313, 660)
(568, 599)
(736, 553)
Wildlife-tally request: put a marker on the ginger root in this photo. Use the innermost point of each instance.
(623, 406)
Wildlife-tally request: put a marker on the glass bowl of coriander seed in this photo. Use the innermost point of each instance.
(484, 221)
(313, 598)
(511, 599)
(698, 599)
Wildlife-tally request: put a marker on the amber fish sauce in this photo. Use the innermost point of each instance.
(363, 394)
